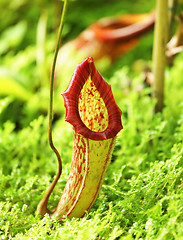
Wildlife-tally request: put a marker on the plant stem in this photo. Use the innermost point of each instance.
(159, 59)
(50, 113)
(42, 206)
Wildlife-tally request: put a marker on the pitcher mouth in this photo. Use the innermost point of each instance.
(71, 96)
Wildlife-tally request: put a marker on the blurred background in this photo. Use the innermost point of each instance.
(28, 35)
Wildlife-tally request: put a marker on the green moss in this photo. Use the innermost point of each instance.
(142, 192)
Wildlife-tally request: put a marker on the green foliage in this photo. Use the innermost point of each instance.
(142, 195)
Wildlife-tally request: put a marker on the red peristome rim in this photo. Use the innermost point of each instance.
(71, 98)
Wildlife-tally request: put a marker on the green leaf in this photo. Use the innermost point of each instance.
(10, 87)
(12, 37)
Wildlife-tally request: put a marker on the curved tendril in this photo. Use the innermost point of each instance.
(42, 206)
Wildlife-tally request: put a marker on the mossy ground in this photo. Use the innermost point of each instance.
(142, 194)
